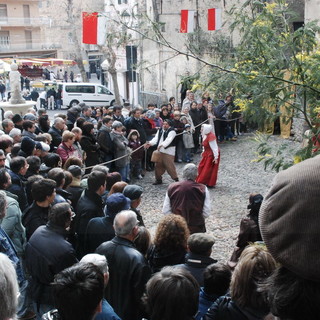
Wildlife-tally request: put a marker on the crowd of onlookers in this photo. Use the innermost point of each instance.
(71, 225)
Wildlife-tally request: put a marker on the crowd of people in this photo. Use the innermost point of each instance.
(71, 227)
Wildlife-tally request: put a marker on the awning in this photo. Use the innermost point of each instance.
(57, 62)
(27, 62)
(4, 67)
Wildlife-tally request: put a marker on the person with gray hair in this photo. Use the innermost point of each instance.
(101, 262)
(15, 134)
(56, 132)
(7, 125)
(189, 199)
(8, 289)
(129, 271)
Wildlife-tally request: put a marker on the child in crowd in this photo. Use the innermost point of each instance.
(187, 143)
(136, 157)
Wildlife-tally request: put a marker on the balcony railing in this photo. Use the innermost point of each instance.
(17, 22)
(28, 46)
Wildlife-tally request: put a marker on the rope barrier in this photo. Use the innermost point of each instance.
(142, 146)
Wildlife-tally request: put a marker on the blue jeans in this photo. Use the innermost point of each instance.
(124, 171)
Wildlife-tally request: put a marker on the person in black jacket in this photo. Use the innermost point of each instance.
(19, 167)
(198, 257)
(129, 271)
(105, 142)
(90, 205)
(47, 253)
(100, 229)
(89, 145)
(56, 133)
(135, 123)
(43, 194)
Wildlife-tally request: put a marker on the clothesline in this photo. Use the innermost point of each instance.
(142, 146)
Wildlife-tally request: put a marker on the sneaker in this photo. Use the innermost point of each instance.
(179, 161)
(139, 177)
(157, 182)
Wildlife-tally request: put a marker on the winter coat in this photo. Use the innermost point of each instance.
(137, 124)
(18, 188)
(91, 148)
(120, 143)
(196, 264)
(65, 152)
(89, 206)
(12, 223)
(98, 231)
(105, 141)
(158, 259)
(34, 217)
(225, 308)
(56, 135)
(129, 274)
(47, 253)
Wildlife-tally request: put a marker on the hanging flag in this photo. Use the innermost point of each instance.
(94, 28)
(214, 19)
(187, 21)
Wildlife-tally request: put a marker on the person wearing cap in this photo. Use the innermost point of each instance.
(100, 229)
(289, 222)
(134, 193)
(165, 142)
(27, 148)
(198, 256)
(189, 199)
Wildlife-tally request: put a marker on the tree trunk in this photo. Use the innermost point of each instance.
(113, 73)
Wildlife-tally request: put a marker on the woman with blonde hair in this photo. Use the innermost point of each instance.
(246, 300)
(170, 243)
(117, 188)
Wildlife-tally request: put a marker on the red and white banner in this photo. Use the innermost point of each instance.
(187, 21)
(94, 28)
(214, 19)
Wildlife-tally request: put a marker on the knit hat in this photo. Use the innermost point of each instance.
(75, 170)
(289, 219)
(27, 145)
(16, 118)
(133, 191)
(116, 203)
(200, 243)
(29, 116)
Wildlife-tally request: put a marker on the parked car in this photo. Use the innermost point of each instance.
(92, 94)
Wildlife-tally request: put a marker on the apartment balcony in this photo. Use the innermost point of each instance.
(23, 22)
(28, 46)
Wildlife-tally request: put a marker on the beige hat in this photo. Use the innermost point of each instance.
(289, 219)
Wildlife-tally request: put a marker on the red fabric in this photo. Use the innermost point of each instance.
(211, 19)
(184, 21)
(208, 171)
(90, 27)
(151, 121)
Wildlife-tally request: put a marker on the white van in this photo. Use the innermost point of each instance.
(92, 94)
